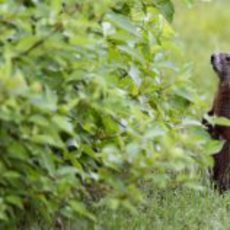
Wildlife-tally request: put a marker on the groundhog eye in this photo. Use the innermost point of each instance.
(227, 58)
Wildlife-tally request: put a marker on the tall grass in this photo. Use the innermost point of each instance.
(177, 210)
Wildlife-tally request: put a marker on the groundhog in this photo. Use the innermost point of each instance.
(221, 108)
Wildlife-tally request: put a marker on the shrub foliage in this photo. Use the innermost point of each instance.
(91, 102)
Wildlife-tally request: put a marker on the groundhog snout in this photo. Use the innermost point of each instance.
(212, 58)
(215, 61)
(215, 57)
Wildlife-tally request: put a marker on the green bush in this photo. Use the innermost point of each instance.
(98, 75)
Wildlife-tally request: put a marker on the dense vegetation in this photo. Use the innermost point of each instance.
(93, 106)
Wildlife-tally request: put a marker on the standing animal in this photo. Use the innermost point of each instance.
(221, 108)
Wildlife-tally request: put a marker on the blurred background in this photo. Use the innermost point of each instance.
(204, 29)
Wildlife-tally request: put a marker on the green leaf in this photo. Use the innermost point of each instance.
(80, 208)
(133, 53)
(56, 6)
(123, 22)
(66, 170)
(39, 120)
(15, 200)
(47, 161)
(166, 8)
(185, 93)
(11, 175)
(134, 73)
(213, 146)
(46, 139)
(221, 121)
(46, 102)
(18, 151)
(63, 124)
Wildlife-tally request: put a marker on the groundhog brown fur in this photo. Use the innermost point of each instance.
(221, 108)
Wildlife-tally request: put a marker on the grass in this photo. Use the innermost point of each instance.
(203, 29)
(165, 210)
(174, 210)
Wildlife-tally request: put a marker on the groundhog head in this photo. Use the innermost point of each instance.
(221, 65)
